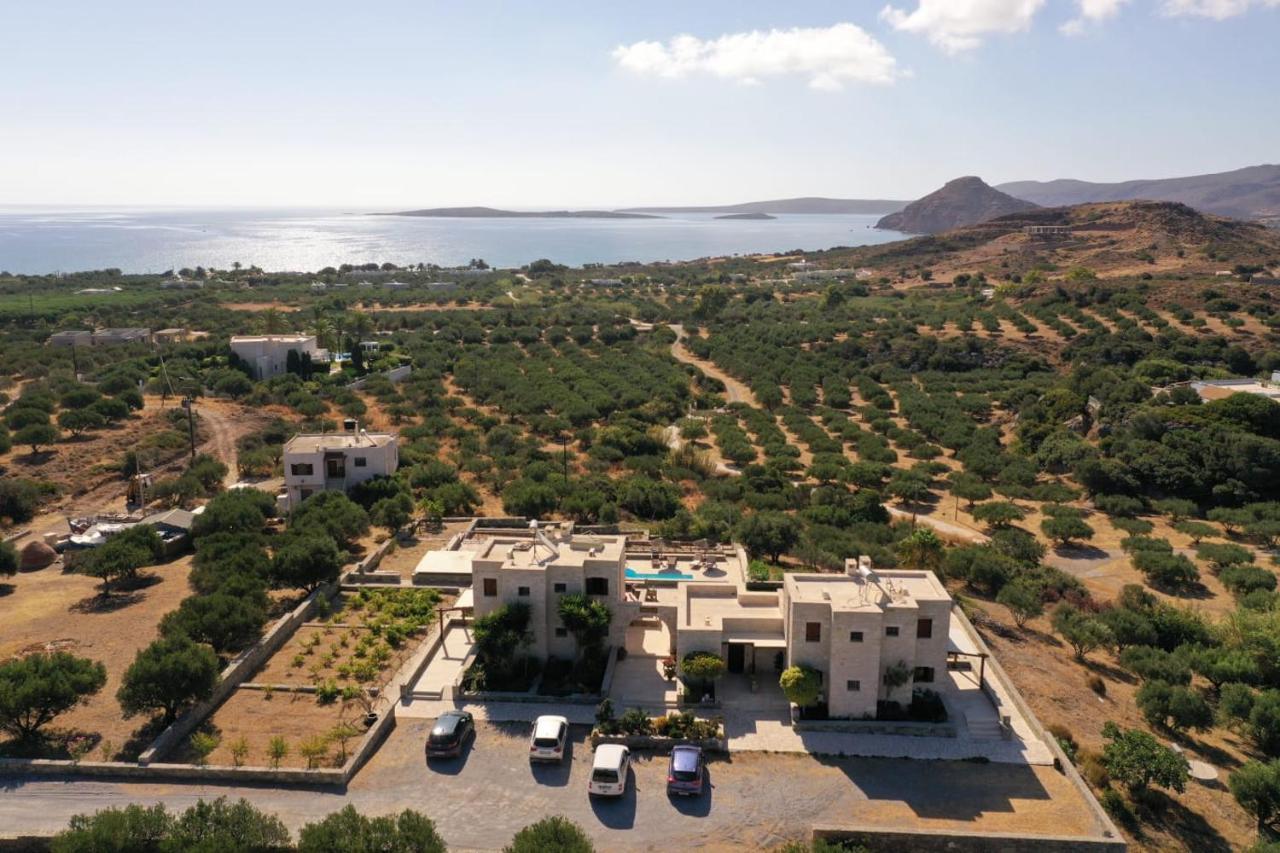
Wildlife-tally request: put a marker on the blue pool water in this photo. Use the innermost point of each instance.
(634, 575)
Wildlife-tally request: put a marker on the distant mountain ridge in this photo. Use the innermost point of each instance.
(497, 213)
(963, 201)
(807, 204)
(1249, 193)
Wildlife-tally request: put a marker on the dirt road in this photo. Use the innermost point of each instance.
(735, 390)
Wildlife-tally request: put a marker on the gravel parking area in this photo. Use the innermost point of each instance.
(755, 800)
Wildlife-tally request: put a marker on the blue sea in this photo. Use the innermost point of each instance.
(41, 240)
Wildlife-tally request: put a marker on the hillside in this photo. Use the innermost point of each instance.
(1109, 239)
(1250, 193)
(862, 207)
(964, 201)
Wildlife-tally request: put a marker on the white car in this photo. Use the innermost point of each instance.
(609, 770)
(550, 735)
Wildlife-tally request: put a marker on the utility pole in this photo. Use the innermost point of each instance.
(188, 404)
(564, 455)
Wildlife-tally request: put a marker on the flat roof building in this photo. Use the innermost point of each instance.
(268, 355)
(874, 635)
(537, 568)
(336, 461)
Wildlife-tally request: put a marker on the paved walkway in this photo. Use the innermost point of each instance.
(446, 662)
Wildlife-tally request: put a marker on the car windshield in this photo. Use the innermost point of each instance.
(684, 765)
(604, 776)
(545, 742)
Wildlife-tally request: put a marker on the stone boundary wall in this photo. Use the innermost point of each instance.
(395, 374)
(957, 841)
(1106, 826)
(236, 672)
(875, 727)
(711, 744)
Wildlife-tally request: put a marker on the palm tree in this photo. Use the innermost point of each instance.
(322, 328)
(272, 322)
(921, 551)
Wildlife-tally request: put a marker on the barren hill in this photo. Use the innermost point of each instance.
(961, 202)
(1250, 193)
(1110, 239)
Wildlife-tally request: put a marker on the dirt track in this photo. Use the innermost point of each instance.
(735, 390)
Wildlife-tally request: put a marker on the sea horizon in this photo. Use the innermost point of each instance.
(49, 239)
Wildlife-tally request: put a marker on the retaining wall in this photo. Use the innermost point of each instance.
(237, 671)
(1107, 827)
(875, 727)
(955, 841)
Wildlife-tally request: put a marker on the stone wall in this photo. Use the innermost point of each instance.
(878, 839)
(236, 672)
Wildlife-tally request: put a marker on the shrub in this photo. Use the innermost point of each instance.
(802, 685)
(348, 830)
(551, 835)
(635, 722)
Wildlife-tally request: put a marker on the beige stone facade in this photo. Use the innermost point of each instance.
(855, 628)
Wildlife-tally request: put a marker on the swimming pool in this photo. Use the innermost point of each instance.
(635, 575)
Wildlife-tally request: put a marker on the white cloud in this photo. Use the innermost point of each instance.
(1091, 12)
(1219, 10)
(829, 57)
(959, 25)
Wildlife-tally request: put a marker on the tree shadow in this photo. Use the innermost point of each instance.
(1081, 551)
(106, 602)
(1162, 812)
(1113, 672)
(6, 589)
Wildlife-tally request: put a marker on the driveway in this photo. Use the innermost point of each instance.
(480, 801)
(753, 800)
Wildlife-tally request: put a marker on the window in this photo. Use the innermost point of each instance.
(490, 587)
(855, 636)
(597, 586)
(812, 632)
(923, 675)
(522, 591)
(853, 686)
(360, 462)
(560, 587)
(305, 493)
(924, 629)
(562, 632)
(891, 630)
(302, 469)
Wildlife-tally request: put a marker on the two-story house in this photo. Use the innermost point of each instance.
(336, 461)
(873, 634)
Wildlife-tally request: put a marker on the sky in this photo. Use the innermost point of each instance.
(390, 104)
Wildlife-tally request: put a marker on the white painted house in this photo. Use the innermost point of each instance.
(328, 461)
(268, 355)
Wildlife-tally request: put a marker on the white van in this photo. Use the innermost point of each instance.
(609, 770)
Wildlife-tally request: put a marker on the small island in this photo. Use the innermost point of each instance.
(752, 216)
(497, 213)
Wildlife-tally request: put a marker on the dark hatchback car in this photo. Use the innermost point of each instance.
(449, 735)
(686, 773)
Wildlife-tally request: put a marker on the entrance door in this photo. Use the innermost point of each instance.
(737, 657)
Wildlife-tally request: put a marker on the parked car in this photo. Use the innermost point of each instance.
(450, 734)
(550, 735)
(686, 773)
(609, 770)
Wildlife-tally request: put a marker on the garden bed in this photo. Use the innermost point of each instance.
(322, 679)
